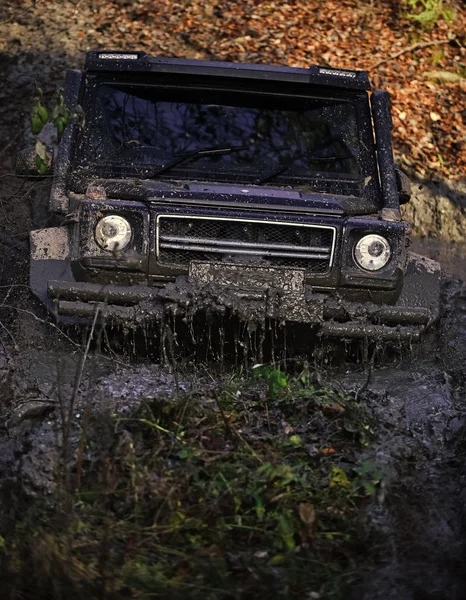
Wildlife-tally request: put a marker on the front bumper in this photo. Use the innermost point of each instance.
(334, 317)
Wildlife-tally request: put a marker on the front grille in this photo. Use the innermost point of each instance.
(182, 239)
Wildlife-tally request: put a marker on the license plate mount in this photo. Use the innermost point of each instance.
(245, 277)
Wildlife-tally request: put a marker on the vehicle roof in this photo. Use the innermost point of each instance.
(136, 61)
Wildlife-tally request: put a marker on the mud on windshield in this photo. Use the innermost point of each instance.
(228, 136)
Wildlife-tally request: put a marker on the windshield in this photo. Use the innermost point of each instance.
(223, 135)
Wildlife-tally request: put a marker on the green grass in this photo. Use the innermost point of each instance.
(252, 491)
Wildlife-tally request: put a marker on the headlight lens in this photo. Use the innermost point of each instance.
(372, 252)
(113, 233)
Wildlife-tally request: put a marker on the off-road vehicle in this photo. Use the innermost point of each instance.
(265, 191)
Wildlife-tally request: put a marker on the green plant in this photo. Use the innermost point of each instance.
(429, 12)
(276, 379)
(369, 477)
(211, 497)
(58, 115)
(437, 57)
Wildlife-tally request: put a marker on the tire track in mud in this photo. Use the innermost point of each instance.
(421, 553)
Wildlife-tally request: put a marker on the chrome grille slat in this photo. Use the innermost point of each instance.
(181, 239)
(226, 250)
(208, 242)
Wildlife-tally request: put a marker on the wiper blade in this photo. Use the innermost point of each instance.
(181, 158)
(314, 159)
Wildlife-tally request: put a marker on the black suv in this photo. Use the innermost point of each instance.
(262, 190)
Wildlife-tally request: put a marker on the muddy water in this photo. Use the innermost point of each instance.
(422, 404)
(420, 545)
(421, 552)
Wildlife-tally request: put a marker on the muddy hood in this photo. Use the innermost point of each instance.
(233, 196)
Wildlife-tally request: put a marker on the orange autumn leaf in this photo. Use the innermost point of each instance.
(328, 450)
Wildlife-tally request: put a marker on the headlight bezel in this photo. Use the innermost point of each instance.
(388, 278)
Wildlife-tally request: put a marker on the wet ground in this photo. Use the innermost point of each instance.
(418, 399)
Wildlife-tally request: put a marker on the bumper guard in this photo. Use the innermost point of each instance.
(335, 317)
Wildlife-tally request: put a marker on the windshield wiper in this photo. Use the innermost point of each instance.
(314, 159)
(181, 158)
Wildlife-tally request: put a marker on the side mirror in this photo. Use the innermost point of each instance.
(29, 167)
(404, 185)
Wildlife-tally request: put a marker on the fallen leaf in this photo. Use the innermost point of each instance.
(307, 513)
(334, 406)
(276, 560)
(287, 428)
(339, 478)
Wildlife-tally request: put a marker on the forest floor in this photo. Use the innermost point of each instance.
(420, 62)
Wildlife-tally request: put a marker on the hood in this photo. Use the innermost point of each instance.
(250, 197)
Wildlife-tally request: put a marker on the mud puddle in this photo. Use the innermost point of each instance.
(421, 551)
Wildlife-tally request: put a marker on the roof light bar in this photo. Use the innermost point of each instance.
(140, 61)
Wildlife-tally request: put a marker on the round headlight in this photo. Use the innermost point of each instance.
(113, 233)
(372, 252)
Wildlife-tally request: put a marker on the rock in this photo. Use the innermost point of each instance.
(34, 409)
(38, 468)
